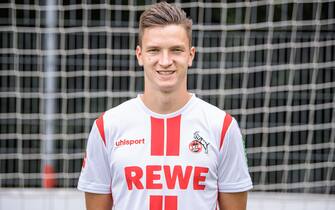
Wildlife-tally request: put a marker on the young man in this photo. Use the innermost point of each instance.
(165, 149)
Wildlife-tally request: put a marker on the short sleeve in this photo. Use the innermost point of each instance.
(95, 176)
(233, 174)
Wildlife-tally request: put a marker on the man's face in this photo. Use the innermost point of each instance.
(165, 55)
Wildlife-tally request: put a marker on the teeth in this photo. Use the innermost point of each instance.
(165, 72)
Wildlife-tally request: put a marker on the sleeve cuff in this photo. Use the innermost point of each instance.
(236, 187)
(93, 187)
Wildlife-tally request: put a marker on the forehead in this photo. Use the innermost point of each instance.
(161, 35)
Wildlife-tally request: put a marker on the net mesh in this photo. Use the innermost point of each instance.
(269, 63)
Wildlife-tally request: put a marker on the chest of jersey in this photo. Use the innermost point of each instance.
(156, 161)
(176, 153)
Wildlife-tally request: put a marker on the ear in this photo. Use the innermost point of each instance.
(191, 56)
(139, 55)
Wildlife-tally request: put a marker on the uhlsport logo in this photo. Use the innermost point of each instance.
(198, 144)
(129, 142)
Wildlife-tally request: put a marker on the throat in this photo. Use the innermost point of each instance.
(165, 103)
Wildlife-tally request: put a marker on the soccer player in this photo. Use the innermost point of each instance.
(166, 149)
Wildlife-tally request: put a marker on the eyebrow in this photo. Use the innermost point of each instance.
(153, 46)
(178, 46)
(172, 47)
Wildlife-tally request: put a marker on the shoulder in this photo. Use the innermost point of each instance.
(123, 109)
(217, 120)
(212, 112)
(110, 121)
(120, 113)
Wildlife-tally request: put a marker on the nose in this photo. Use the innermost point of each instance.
(165, 59)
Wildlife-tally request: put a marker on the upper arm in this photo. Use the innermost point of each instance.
(233, 174)
(234, 180)
(95, 175)
(98, 201)
(233, 201)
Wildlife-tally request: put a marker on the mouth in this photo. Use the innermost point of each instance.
(165, 72)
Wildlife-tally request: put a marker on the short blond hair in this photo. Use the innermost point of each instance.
(163, 14)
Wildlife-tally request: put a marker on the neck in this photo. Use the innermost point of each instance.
(165, 103)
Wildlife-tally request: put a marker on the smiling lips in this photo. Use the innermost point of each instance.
(165, 72)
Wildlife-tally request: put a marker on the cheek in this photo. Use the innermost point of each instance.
(150, 60)
(185, 61)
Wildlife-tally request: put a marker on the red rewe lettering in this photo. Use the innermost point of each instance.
(151, 177)
(199, 178)
(154, 179)
(133, 175)
(177, 172)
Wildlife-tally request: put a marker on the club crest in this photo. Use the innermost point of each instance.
(198, 144)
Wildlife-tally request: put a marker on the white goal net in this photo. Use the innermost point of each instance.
(270, 63)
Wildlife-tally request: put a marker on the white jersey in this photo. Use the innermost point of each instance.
(176, 161)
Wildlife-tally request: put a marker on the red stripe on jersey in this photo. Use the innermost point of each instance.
(173, 136)
(171, 202)
(100, 125)
(157, 137)
(156, 202)
(226, 123)
(84, 161)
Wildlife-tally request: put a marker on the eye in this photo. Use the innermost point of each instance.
(177, 50)
(153, 50)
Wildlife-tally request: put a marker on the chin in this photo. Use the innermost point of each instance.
(167, 88)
